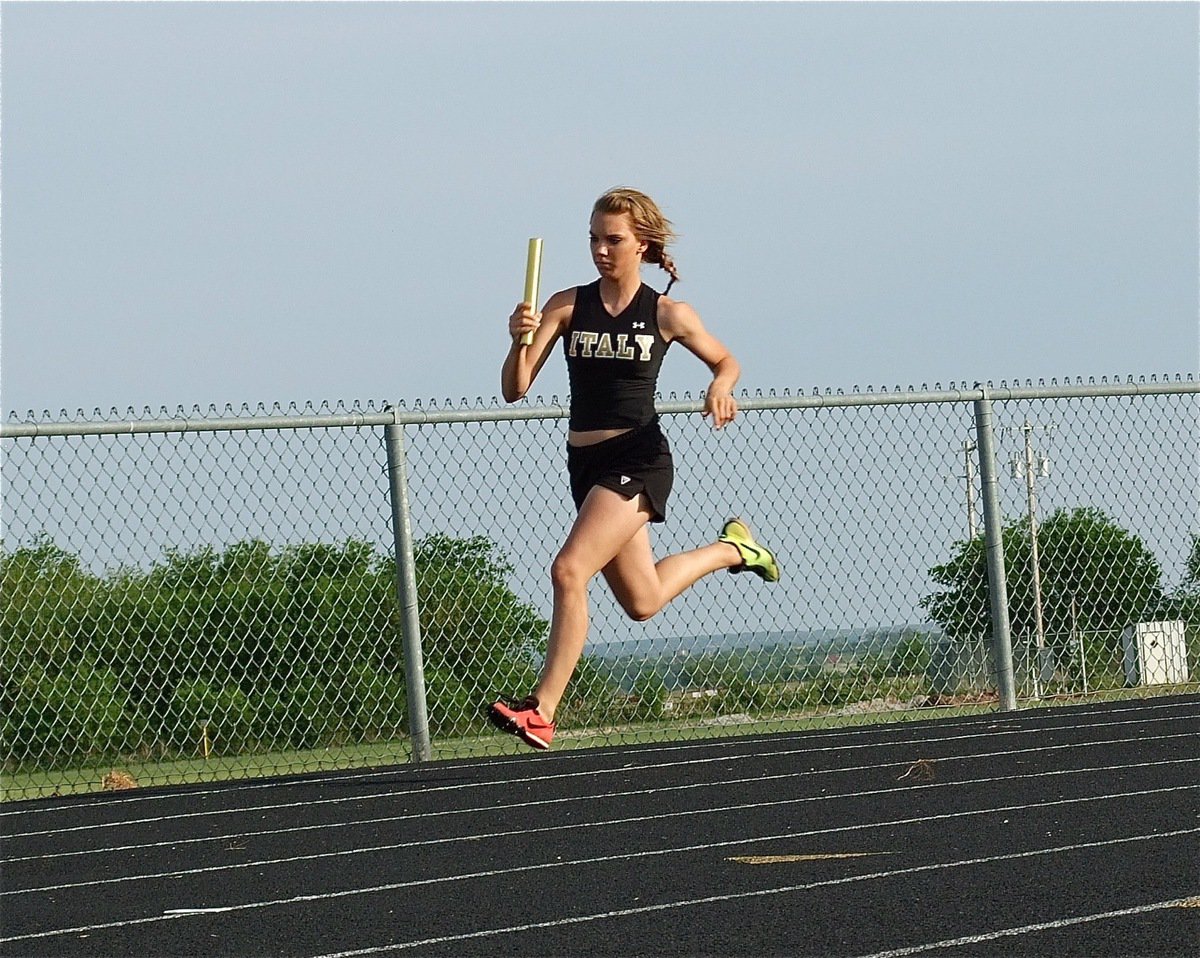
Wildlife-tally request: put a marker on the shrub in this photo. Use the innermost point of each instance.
(52, 717)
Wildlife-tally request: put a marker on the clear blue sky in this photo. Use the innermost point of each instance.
(211, 203)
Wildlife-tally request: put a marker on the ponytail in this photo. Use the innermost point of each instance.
(666, 262)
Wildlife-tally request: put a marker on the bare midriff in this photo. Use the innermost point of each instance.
(590, 437)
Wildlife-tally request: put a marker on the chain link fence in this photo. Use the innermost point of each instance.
(249, 592)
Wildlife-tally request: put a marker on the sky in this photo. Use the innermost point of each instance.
(211, 203)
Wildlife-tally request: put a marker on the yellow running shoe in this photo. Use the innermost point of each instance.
(756, 557)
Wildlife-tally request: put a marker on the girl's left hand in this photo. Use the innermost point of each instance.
(721, 406)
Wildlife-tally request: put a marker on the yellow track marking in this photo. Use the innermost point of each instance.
(781, 859)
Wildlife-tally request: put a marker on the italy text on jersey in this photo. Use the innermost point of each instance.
(591, 345)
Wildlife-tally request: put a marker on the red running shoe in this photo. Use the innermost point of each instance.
(523, 721)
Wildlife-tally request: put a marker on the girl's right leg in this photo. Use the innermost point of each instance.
(607, 521)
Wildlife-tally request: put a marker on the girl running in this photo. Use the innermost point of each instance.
(615, 333)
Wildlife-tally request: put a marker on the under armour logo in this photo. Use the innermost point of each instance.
(639, 325)
(624, 479)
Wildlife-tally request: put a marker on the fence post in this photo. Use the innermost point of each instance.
(406, 591)
(993, 532)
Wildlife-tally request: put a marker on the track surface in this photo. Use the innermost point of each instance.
(1068, 831)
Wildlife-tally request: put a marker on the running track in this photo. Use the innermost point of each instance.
(1072, 831)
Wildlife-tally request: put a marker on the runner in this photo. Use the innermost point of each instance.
(615, 333)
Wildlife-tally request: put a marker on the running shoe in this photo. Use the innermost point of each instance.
(523, 721)
(756, 557)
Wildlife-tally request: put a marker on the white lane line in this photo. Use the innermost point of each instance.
(1008, 719)
(593, 796)
(176, 914)
(714, 899)
(572, 826)
(591, 773)
(1027, 929)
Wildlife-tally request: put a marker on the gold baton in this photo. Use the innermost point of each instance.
(533, 276)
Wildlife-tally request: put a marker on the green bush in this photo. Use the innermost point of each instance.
(826, 691)
(55, 717)
(232, 720)
(911, 656)
(649, 697)
(592, 695)
(296, 647)
(377, 703)
(1094, 576)
(743, 694)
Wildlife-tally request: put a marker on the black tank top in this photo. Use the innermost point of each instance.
(613, 361)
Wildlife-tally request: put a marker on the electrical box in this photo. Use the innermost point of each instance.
(1155, 653)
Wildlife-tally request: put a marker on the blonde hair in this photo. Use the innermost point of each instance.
(651, 227)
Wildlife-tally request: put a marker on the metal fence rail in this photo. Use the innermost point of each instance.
(226, 593)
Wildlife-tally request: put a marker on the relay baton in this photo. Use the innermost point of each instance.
(533, 275)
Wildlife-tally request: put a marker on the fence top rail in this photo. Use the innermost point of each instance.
(401, 414)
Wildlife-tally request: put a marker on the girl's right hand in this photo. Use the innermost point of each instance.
(523, 320)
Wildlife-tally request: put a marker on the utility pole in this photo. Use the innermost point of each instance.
(969, 463)
(1031, 497)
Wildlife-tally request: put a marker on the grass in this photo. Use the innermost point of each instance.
(483, 743)
(182, 771)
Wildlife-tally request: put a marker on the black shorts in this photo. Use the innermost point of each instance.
(632, 463)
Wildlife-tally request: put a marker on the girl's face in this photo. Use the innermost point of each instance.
(616, 250)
